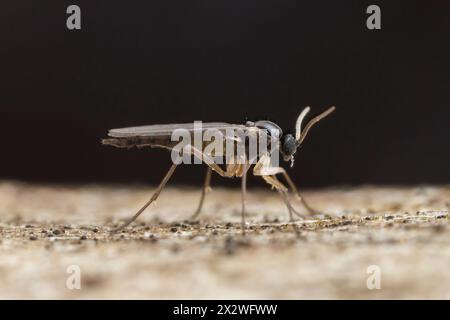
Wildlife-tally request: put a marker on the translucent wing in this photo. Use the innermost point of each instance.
(160, 135)
(166, 130)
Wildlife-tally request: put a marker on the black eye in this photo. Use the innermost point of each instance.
(289, 146)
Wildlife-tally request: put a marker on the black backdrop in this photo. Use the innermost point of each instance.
(146, 62)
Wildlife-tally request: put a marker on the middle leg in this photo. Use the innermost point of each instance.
(206, 188)
(244, 194)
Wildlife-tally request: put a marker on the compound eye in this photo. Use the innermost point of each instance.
(289, 145)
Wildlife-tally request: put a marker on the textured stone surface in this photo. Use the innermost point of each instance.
(45, 229)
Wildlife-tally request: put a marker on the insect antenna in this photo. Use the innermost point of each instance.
(300, 136)
(298, 124)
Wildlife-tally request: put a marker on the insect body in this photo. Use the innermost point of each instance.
(162, 136)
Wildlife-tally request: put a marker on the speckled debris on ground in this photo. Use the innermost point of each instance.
(45, 229)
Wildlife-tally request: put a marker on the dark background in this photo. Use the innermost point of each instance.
(148, 62)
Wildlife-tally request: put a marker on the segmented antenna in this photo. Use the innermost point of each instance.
(298, 124)
(312, 122)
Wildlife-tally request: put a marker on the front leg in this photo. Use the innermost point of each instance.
(291, 184)
(267, 172)
(263, 167)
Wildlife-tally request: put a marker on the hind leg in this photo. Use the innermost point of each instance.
(153, 198)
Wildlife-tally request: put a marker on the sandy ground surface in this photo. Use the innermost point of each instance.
(45, 230)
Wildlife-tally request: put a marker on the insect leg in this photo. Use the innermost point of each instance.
(297, 193)
(206, 188)
(209, 162)
(232, 170)
(288, 205)
(274, 182)
(153, 198)
(244, 193)
(263, 169)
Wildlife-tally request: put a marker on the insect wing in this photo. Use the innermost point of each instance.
(166, 130)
